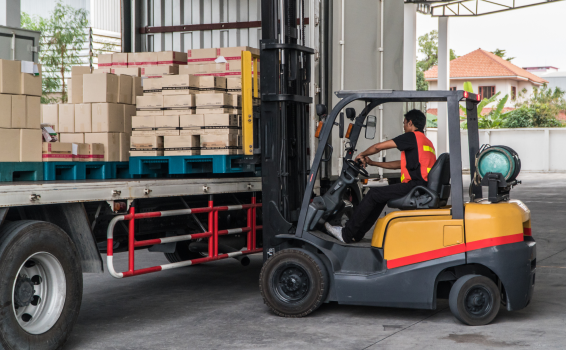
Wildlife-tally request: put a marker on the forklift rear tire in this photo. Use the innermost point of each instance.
(293, 283)
(474, 300)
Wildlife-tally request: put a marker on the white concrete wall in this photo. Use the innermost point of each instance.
(540, 149)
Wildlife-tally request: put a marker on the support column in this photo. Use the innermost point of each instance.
(443, 82)
(10, 13)
(410, 47)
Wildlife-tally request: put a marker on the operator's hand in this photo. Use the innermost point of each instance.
(361, 160)
(368, 161)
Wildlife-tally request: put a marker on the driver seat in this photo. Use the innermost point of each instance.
(435, 195)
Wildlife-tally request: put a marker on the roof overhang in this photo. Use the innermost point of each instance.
(473, 8)
(492, 78)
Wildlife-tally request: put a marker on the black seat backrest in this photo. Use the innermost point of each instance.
(439, 177)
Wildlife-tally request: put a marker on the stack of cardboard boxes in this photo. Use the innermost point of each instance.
(142, 64)
(20, 118)
(99, 111)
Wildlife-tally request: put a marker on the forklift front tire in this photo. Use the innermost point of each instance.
(293, 282)
(474, 300)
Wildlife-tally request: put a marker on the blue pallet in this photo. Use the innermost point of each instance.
(85, 170)
(25, 171)
(163, 166)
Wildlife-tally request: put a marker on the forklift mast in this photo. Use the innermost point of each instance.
(284, 126)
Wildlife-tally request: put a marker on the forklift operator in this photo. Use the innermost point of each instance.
(417, 158)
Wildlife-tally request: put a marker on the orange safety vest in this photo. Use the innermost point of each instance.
(427, 157)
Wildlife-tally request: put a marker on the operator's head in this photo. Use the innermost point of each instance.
(415, 120)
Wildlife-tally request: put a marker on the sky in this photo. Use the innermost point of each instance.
(536, 36)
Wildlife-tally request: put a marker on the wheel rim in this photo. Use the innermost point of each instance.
(291, 283)
(478, 301)
(39, 292)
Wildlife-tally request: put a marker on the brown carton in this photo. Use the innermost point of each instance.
(131, 71)
(102, 70)
(95, 152)
(50, 115)
(191, 124)
(146, 146)
(10, 143)
(80, 152)
(152, 86)
(107, 117)
(83, 117)
(165, 58)
(31, 84)
(214, 100)
(76, 83)
(6, 111)
(125, 88)
(235, 53)
(216, 111)
(30, 145)
(211, 84)
(142, 59)
(196, 68)
(178, 101)
(105, 60)
(182, 145)
(159, 71)
(111, 142)
(231, 120)
(202, 55)
(18, 111)
(66, 118)
(219, 144)
(180, 84)
(57, 152)
(33, 112)
(72, 137)
(167, 125)
(120, 60)
(154, 102)
(137, 89)
(124, 147)
(80, 70)
(143, 125)
(129, 112)
(100, 88)
(10, 81)
(234, 85)
(149, 112)
(235, 100)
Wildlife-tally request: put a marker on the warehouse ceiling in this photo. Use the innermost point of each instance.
(472, 8)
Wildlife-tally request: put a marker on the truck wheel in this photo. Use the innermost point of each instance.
(293, 283)
(41, 285)
(474, 300)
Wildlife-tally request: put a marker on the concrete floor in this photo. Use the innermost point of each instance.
(219, 306)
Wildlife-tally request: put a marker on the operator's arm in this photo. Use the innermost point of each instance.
(396, 164)
(378, 147)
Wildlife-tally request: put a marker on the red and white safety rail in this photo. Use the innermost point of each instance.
(212, 235)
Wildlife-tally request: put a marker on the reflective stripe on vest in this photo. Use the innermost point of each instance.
(427, 158)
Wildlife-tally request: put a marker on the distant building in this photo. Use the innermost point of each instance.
(541, 70)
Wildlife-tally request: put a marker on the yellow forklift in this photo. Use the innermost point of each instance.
(477, 254)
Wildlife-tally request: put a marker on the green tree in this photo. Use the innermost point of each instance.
(428, 47)
(501, 53)
(63, 36)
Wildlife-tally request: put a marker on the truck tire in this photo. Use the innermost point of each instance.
(293, 282)
(41, 286)
(474, 300)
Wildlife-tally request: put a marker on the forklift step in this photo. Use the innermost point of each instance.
(15, 171)
(175, 166)
(85, 170)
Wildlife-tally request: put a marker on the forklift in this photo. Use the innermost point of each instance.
(478, 254)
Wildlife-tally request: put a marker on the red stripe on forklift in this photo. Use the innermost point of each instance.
(527, 231)
(457, 249)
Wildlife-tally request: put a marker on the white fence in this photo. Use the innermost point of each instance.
(540, 149)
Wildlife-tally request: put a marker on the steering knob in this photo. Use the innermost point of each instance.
(357, 167)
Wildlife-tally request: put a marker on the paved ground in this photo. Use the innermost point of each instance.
(218, 306)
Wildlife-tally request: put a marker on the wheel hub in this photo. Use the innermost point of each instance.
(477, 301)
(292, 283)
(24, 291)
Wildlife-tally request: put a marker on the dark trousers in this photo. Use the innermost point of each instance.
(369, 209)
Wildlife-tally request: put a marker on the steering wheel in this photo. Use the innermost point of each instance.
(357, 167)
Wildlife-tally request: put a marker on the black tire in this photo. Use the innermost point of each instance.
(182, 253)
(306, 284)
(18, 241)
(474, 300)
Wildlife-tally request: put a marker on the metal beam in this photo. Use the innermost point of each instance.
(210, 26)
(471, 8)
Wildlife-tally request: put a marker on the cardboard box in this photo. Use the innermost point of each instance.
(124, 147)
(167, 125)
(191, 124)
(77, 71)
(143, 125)
(100, 88)
(180, 84)
(211, 84)
(131, 71)
(57, 152)
(219, 144)
(10, 80)
(6, 111)
(95, 152)
(214, 100)
(146, 146)
(159, 71)
(149, 112)
(33, 112)
(111, 142)
(10, 143)
(72, 137)
(83, 117)
(125, 88)
(137, 89)
(152, 86)
(234, 85)
(129, 112)
(102, 70)
(66, 118)
(222, 120)
(216, 111)
(202, 55)
(153, 102)
(105, 60)
(18, 112)
(30, 145)
(107, 117)
(49, 114)
(235, 53)
(30, 84)
(142, 59)
(76, 83)
(235, 100)
(120, 60)
(182, 145)
(80, 152)
(178, 102)
(165, 58)
(196, 68)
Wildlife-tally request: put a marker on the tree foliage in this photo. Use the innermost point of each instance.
(428, 47)
(63, 35)
(501, 53)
